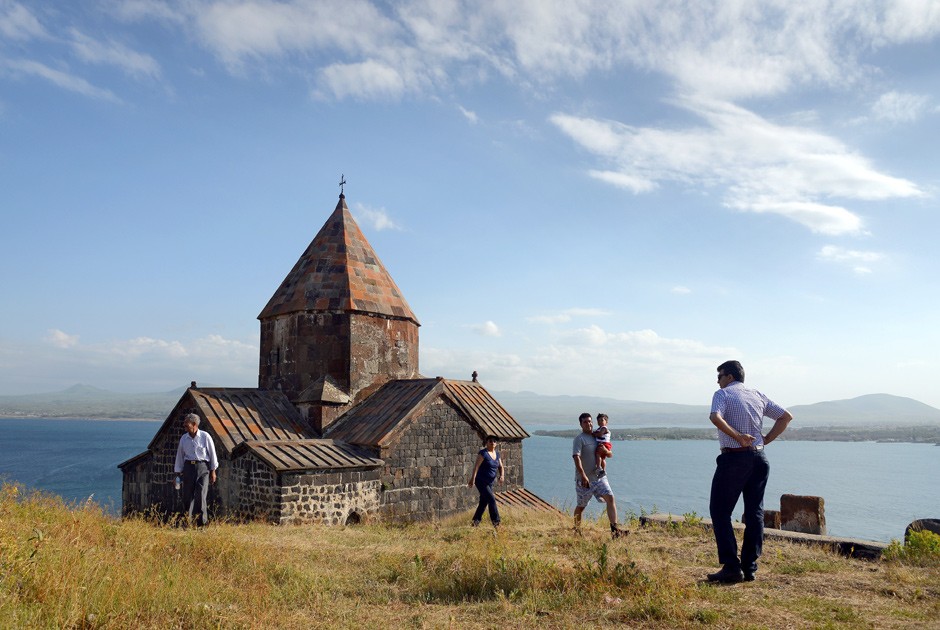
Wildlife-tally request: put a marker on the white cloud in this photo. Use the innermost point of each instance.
(258, 29)
(17, 23)
(469, 115)
(681, 290)
(61, 79)
(139, 10)
(136, 365)
(61, 339)
(139, 346)
(567, 315)
(726, 49)
(115, 54)
(487, 329)
(368, 80)
(857, 260)
(898, 107)
(763, 166)
(634, 365)
(377, 218)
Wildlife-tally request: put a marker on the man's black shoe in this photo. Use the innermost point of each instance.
(748, 577)
(727, 576)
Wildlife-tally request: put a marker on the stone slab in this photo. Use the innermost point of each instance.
(853, 547)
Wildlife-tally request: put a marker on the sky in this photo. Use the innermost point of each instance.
(575, 197)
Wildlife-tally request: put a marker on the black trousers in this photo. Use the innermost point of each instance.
(487, 501)
(195, 490)
(737, 474)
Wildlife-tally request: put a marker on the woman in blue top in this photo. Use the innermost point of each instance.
(489, 468)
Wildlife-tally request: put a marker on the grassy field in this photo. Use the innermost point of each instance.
(75, 567)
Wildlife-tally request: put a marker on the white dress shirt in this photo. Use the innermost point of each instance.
(199, 448)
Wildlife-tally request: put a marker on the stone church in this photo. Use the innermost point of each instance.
(342, 426)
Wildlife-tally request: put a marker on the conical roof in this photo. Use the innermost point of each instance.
(339, 271)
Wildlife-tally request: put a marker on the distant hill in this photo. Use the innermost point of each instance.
(868, 410)
(531, 408)
(85, 401)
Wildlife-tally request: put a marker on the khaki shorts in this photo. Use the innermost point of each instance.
(597, 489)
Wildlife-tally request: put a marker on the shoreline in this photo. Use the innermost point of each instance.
(80, 418)
(879, 435)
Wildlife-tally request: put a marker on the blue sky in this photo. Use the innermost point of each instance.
(597, 198)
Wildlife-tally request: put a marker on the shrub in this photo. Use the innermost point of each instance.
(921, 548)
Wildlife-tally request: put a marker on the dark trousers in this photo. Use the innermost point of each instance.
(195, 490)
(487, 501)
(744, 473)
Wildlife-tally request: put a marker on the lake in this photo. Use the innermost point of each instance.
(872, 491)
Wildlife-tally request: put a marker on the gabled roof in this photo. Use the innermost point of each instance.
(237, 415)
(339, 271)
(381, 418)
(297, 455)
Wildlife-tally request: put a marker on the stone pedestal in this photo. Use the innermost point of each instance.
(803, 514)
(772, 519)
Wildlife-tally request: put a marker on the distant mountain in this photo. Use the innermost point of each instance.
(870, 410)
(85, 401)
(531, 408)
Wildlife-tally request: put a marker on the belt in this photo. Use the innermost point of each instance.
(196, 461)
(742, 449)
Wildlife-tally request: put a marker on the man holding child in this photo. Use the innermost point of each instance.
(587, 482)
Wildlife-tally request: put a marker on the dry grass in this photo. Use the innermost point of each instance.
(76, 567)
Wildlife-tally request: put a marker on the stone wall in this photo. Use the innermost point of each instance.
(299, 348)
(249, 489)
(359, 351)
(135, 486)
(428, 467)
(381, 350)
(330, 497)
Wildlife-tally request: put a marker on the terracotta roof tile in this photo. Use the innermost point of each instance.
(378, 419)
(339, 271)
(309, 454)
(238, 415)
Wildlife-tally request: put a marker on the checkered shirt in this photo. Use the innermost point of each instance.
(744, 409)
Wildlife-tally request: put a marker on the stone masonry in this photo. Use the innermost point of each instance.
(427, 469)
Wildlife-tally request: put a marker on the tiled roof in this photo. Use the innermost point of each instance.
(298, 455)
(484, 410)
(522, 498)
(241, 414)
(339, 271)
(382, 416)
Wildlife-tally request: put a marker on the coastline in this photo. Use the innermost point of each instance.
(881, 435)
(79, 418)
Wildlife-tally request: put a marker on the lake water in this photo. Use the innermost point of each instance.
(872, 491)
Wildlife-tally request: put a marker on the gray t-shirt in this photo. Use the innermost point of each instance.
(585, 445)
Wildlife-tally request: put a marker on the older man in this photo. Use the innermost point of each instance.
(742, 468)
(196, 461)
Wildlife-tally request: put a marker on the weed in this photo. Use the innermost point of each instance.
(77, 567)
(922, 548)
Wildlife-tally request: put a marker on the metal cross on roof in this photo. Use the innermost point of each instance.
(342, 184)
